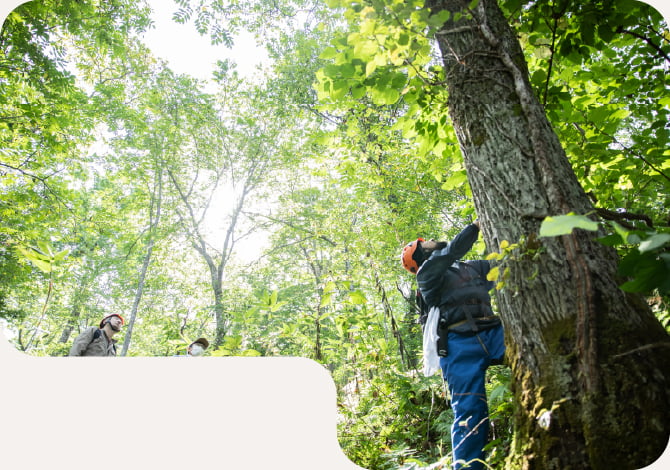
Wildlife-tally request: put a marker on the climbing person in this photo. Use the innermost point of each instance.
(469, 337)
(197, 347)
(98, 341)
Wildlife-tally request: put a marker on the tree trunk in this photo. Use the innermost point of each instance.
(138, 297)
(72, 321)
(154, 220)
(216, 282)
(317, 337)
(217, 289)
(590, 362)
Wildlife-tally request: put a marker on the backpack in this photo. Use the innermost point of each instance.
(465, 276)
(478, 316)
(98, 334)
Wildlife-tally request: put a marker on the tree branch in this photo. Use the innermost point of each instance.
(620, 216)
(649, 42)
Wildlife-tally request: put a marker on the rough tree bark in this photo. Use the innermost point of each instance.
(590, 362)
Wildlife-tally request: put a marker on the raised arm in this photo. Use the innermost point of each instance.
(429, 276)
(454, 251)
(460, 245)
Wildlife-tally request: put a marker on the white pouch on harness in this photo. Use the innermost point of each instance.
(431, 361)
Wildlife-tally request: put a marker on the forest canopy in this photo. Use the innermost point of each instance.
(267, 213)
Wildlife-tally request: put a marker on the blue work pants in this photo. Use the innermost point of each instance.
(464, 369)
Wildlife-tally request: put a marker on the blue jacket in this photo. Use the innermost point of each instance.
(459, 288)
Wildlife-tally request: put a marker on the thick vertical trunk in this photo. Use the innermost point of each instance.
(590, 362)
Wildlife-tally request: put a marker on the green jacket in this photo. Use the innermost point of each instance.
(86, 344)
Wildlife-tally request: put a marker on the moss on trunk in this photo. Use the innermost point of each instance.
(592, 379)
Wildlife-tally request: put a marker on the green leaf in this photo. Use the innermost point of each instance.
(277, 306)
(40, 261)
(498, 392)
(328, 53)
(61, 255)
(364, 50)
(439, 19)
(455, 179)
(391, 96)
(43, 266)
(657, 240)
(357, 298)
(329, 287)
(613, 239)
(221, 352)
(493, 274)
(357, 92)
(331, 71)
(648, 272)
(326, 300)
(384, 96)
(347, 70)
(232, 342)
(542, 52)
(564, 224)
(622, 232)
(250, 353)
(45, 247)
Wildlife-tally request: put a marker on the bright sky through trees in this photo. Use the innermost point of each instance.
(190, 53)
(343, 148)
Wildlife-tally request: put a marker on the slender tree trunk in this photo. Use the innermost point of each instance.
(72, 321)
(138, 297)
(317, 272)
(590, 362)
(217, 289)
(80, 297)
(154, 219)
(317, 338)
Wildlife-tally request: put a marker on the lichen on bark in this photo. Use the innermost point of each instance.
(579, 347)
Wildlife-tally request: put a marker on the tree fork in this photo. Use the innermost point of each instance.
(592, 381)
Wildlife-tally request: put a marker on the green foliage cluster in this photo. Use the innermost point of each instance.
(601, 71)
(112, 167)
(647, 261)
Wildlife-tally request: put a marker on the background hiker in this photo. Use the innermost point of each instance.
(470, 336)
(197, 347)
(94, 341)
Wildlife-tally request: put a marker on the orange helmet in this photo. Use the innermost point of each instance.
(407, 258)
(102, 322)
